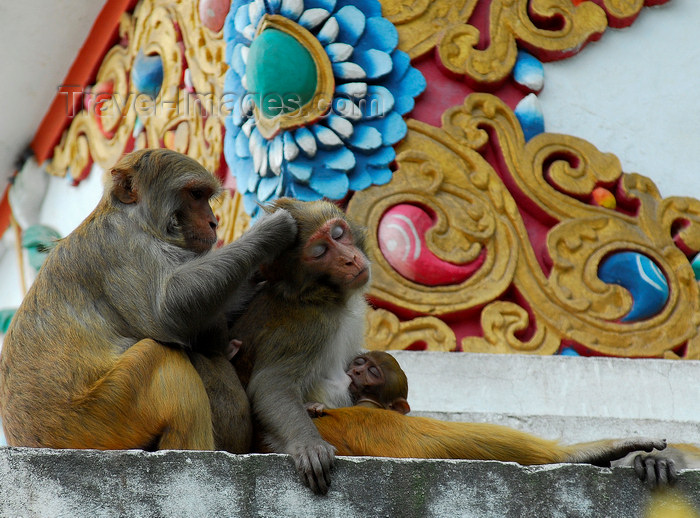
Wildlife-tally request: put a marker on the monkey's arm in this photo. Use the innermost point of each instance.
(603, 452)
(278, 407)
(384, 433)
(206, 283)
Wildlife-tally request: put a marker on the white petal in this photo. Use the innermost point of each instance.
(244, 53)
(357, 90)
(348, 71)
(312, 18)
(258, 149)
(326, 137)
(339, 52)
(292, 9)
(342, 127)
(329, 32)
(291, 150)
(244, 82)
(256, 10)
(263, 164)
(306, 141)
(275, 155)
(249, 32)
(248, 127)
(347, 109)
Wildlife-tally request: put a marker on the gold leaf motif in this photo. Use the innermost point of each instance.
(385, 332)
(420, 23)
(194, 119)
(434, 171)
(233, 219)
(547, 28)
(501, 321)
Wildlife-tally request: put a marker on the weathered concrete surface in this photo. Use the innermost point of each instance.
(91, 484)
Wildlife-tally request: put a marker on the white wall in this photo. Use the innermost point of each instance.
(64, 207)
(39, 41)
(636, 93)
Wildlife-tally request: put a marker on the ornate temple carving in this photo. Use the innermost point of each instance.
(483, 238)
(533, 293)
(164, 40)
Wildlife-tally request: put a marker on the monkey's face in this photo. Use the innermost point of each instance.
(367, 378)
(171, 193)
(331, 251)
(195, 220)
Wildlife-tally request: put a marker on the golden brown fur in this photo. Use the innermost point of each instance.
(97, 354)
(375, 432)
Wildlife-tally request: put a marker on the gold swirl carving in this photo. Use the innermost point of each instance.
(232, 217)
(385, 332)
(501, 322)
(473, 212)
(548, 28)
(444, 171)
(187, 122)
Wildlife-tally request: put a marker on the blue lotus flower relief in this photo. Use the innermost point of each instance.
(317, 91)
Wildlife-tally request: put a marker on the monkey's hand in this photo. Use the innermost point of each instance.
(656, 470)
(314, 463)
(315, 409)
(602, 453)
(278, 229)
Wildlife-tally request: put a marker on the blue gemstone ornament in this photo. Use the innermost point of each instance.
(147, 74)
(641, 277)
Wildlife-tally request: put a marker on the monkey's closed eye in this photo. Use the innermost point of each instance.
(337, 232)
(317, 251)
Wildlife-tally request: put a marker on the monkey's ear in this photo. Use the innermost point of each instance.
(122, 186)
(400, 405)
(281, 203)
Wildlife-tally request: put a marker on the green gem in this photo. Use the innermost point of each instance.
(281, 73)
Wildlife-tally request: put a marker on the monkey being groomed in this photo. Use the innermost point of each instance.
(301, 331)
(100, 353)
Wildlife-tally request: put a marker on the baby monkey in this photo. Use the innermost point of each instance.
(378, 384)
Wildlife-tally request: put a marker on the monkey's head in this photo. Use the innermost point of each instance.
(377, 378)
(328, 259)
(168, 193)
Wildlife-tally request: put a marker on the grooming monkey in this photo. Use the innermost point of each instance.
(379, 384)
(100, 354)
(300, 332)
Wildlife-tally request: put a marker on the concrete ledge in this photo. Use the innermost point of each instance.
(205, 484)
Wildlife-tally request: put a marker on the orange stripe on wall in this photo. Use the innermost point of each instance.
(4, 211)
(101, 38)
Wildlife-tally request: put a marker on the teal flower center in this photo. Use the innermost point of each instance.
(281, 73)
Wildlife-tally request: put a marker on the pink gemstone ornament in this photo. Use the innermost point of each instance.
(401, 236)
